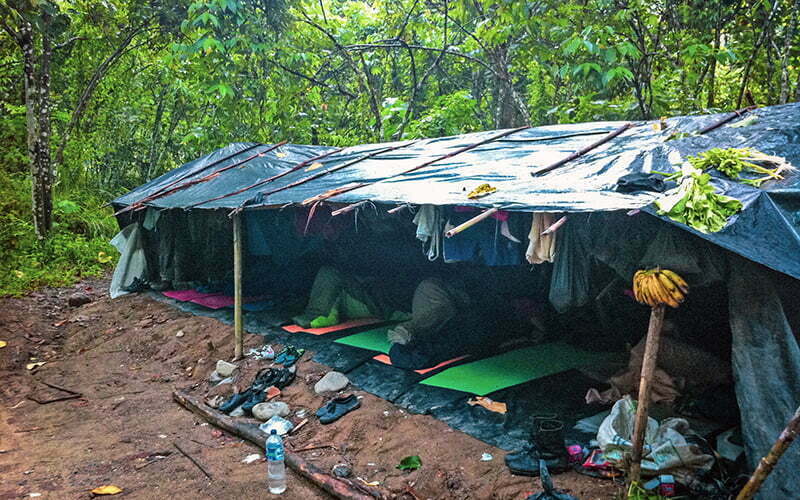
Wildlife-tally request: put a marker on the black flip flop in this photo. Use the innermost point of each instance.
(337, 408)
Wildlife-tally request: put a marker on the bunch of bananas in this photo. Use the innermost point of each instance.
(656, 287)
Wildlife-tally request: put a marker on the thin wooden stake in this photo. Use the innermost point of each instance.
(643, 404)
(237, 286)
(769, 462)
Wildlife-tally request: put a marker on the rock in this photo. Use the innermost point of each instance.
(225, 369)
(265, 411)
(78, 299)
(238, 412)
(342, 470)
(180, 334)
(331, 382)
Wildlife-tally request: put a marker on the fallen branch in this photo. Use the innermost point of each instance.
(33, 397)
(315, 447)
(194, 461)
(54, 386)
(339, 488)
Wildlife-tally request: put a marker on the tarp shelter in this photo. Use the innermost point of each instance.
(766, 361)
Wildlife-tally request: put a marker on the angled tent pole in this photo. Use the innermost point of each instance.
(769, 461)
(326, 172)
(348, 208)
(334, 192)
(237, 287)
(468, 224)
(295, 168)
(398, 208)
(732, 116)
(552, 228)
(582, 151)
(138, 205)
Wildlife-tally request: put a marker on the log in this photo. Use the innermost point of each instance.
(337, 487)
(648, 367)
(769, 462)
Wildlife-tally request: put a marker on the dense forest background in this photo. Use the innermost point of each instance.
(99, 96)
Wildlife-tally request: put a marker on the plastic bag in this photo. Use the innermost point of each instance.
(569, 285)
(666, 449)
(132, 261)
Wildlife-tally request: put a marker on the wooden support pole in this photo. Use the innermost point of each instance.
(468, 224)
(237, 286)
(769, 462)
(643, 404)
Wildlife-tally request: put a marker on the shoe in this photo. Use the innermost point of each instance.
(548, 445)
(338, 407)
(234, 401)
(289, 356)
(284, 378)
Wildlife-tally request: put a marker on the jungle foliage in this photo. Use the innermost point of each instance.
(127, 89)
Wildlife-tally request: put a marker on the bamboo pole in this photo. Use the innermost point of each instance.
(643, 404)
(468, 224)
(771, 459)
(237, 286)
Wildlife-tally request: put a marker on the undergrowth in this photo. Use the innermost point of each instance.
(77, 247)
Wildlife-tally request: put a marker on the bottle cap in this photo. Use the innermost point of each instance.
(273, 431)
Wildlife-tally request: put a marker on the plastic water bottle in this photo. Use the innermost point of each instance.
(276, 469)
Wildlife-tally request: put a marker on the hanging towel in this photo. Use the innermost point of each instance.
(541, 248)
(430, 228)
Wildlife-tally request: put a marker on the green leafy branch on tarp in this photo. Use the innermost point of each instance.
(696, 203)
(733, 162)
(410, 463)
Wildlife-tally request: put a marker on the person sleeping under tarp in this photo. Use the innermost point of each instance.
(449, 317)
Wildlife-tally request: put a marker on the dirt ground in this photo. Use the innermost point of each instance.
(125, 357)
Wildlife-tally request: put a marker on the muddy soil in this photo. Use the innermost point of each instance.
(125, 357)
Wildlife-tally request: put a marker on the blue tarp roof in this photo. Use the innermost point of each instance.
(767, 231)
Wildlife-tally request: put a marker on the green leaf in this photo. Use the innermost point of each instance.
(410, 463)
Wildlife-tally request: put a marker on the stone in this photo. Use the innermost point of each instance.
(180, 334)
(225, 369)
(265, 411)
(238, 412)
(78, 299)
(342, 470)
(331, 382)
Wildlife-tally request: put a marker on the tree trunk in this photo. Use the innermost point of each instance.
(37, 114)
(712, 78)
(787, 48)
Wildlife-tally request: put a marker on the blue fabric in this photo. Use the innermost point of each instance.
(482, 243)
(274, 233)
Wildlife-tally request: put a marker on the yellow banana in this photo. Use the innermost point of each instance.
(670, 288)
(675, 278)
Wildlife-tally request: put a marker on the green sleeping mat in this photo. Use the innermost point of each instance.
(373, 340)
(515, 367)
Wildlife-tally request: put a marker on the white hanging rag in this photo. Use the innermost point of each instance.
(541, 248)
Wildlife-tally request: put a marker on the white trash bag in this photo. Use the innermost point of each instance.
(666, 450)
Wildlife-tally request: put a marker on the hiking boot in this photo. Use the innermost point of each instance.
(548, 445)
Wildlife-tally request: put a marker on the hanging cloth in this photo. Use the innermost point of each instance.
(430, 229)
(541, 248)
